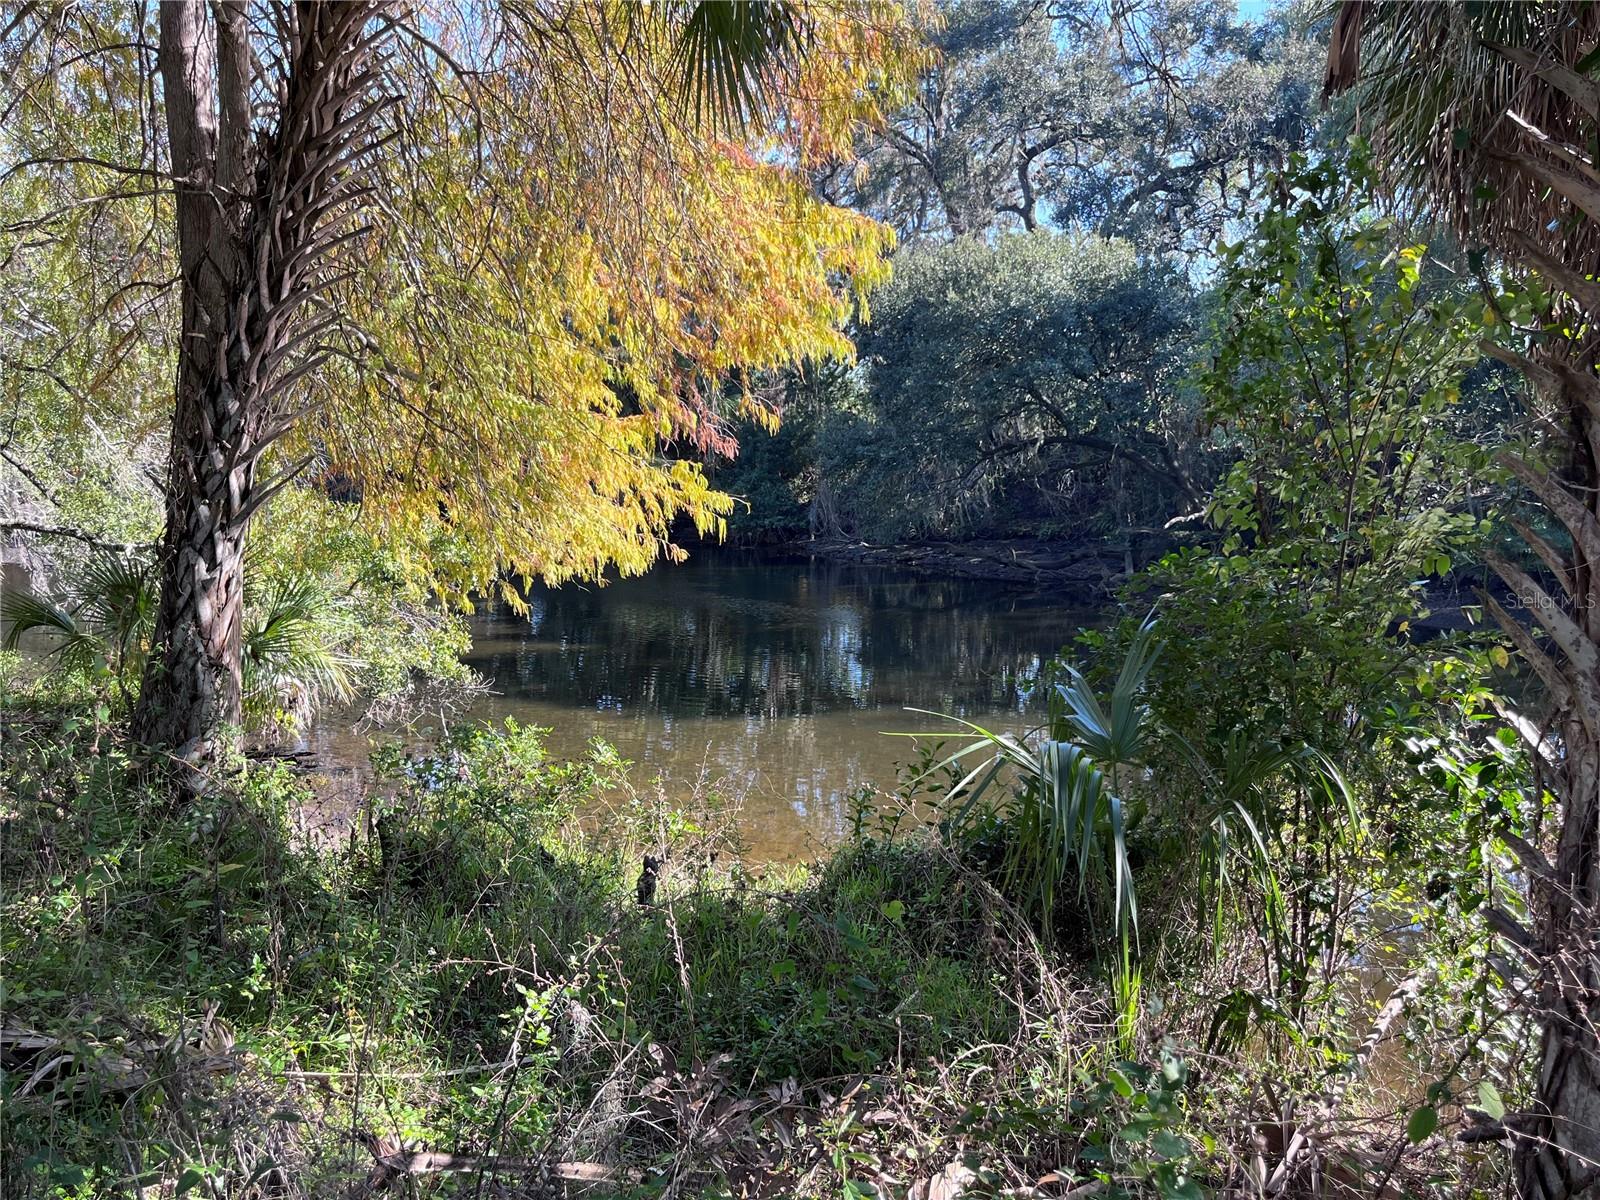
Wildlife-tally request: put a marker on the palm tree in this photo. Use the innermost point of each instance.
(1490, 111)
(277, 123)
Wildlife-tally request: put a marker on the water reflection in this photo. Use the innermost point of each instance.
(780, 674)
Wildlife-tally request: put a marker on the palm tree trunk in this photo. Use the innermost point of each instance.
(191, 693)
(1559, 1153)
(259, 212)
(191, 689)
(1558, 1147)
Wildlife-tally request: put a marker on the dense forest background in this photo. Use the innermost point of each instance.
(1057, 187)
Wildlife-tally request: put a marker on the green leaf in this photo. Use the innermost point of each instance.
(1120, 1083)
(1489, 1100)
(894, 909)
(1422, 1123)
(1169, 1145)
(819, 1004)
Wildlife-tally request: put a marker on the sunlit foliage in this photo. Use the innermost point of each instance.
(561, 271)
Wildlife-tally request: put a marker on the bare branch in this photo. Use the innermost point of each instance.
(78, 535)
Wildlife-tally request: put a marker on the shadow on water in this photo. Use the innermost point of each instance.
(778, 674)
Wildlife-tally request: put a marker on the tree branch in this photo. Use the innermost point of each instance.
(63, 531)
(27, 474)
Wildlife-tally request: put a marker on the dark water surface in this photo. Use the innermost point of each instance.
(777, 676)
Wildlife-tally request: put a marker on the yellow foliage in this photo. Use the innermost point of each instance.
(575, 283)
(564, 291)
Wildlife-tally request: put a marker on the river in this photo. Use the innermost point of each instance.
(776, 678)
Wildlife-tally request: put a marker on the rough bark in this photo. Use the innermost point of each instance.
(260, 211)
(192, 689)
(1558, 1143)
(1558, 1154)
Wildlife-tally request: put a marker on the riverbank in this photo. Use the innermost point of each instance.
(479, 997)
(1095, 569)
(1096, 572)
(476, 992)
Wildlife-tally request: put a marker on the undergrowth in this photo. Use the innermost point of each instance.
(473, 996)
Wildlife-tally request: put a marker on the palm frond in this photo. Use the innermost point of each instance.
(1118, 737)
(27, 612)
(77, 646)
(119, 596)
(287, 661)
(1068, 818)
(726, 53)
(1244, 781)
(1471, 104)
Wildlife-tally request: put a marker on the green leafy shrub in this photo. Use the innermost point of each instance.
(481, 803)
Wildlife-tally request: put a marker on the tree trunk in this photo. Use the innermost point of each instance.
(260, 212)
(1558, 1147)
(1559, 1156)
(191, 693)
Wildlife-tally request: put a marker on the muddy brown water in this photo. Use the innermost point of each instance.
(778, 678)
